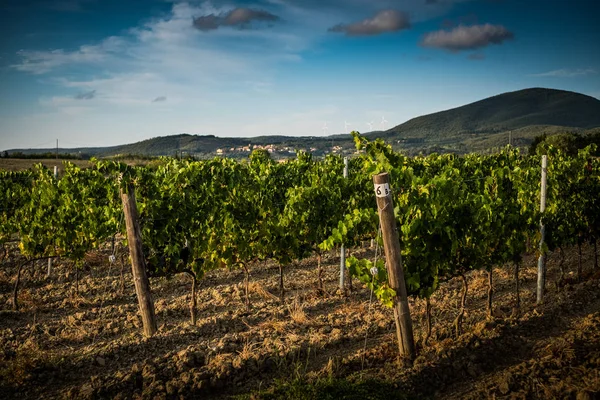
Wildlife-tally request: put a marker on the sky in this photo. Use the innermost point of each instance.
(108, 72)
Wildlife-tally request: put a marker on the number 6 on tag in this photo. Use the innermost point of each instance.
(382, 189)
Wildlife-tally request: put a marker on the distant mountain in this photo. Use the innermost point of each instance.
(478, 126)
(537, 108)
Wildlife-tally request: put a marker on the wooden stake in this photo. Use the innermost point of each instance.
(76, 278)
(321, 287)
(138, 264)
(391, 245)
(428, 315)
(193, 304)
(561, 266)
(579, 266)
(281, 289)
(49, 272)
(463, 306)
(343, 249)
(541, 278)
(490, 292)
(247, 285)
(517, 290)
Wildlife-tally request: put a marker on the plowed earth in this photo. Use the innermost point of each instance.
(79, 336)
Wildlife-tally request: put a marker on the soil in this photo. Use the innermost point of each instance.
(79, 335)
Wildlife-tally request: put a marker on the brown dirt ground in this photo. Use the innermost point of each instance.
(64, 344)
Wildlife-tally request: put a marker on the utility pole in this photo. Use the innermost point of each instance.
(57, 149)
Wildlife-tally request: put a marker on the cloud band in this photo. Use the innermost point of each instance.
(240, 17)
(382, 22)
(467, 37)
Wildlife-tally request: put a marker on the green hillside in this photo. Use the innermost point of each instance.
(506, 111)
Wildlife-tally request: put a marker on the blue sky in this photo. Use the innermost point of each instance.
(105, 72)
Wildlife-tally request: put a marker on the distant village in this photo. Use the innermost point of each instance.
(272, 148)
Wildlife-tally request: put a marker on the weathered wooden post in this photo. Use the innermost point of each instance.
(50, 259)
(393, 259)
(138, 264)
(343, 248)
(541, 278)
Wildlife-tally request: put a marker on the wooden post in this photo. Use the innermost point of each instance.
(138, 264)
(541, 278)
(393, 258)
(343, 249)
(50, 260)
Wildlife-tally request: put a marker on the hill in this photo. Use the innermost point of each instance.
(528, 112)
(478, 126)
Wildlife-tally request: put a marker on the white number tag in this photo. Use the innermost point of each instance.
(382, 189)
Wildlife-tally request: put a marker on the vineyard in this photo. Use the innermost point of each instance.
(242, 260)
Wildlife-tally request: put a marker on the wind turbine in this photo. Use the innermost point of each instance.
(325, 128)
(346, 125)
(383, 122)
(370, 125)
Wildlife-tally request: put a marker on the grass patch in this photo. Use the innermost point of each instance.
(328, 389)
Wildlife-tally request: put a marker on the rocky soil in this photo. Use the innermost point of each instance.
(78, 335)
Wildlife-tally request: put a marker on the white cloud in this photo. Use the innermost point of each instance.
(383, 22)
(238, 17)
(137, 89)
(173, 42)
(169, 57)
(207, 79)
(467, 37)
(567, 73)
(40, 62)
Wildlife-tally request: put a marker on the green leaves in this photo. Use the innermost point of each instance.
(378, 283)
(459, 213)
(353, 228)
(453, 213)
